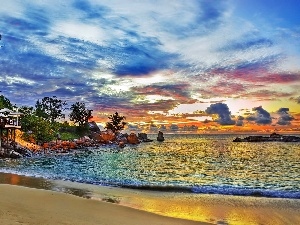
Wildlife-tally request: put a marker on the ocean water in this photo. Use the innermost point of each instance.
(182, 163)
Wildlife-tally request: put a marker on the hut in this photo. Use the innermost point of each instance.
(9, 122)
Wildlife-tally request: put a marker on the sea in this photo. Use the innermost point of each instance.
(189, 163)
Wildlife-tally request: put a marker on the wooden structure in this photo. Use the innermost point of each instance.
(9, 122)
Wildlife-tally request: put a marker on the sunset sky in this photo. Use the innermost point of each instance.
(194, 66)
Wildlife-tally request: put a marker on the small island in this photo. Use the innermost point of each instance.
(271, 138)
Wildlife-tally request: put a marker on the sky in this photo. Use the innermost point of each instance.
(177, 66)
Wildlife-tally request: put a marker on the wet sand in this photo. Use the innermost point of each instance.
(110, 205)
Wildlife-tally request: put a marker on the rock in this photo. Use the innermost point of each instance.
(107, 136)
(23, 151)
(14, 155)
(95, 136)
(272, 137)
(121, 144)
(237, 139)
(160, 136)
(143, 137)
(93, 127)
(133, 139)
(121, 138)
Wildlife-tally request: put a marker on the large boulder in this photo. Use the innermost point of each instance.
(107, 136)
(95, 136)
(121, 138)
(133, 139)
(23, 151)
(93, 127)
(143, 137)
(14, 155)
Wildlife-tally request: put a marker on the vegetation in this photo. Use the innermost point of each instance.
(39, 122)
(80, 114)
(50, 108)
(36, 127)
(68, 132)
(5, 103)
(116, 122)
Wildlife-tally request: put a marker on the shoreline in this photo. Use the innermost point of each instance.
(209, 208)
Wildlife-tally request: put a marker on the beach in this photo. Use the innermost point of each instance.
(22, 205)
(62, 204)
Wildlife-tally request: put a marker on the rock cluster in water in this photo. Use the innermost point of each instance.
(96, 139)
(272, 137)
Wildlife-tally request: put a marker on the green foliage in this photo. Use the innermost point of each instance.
(38, 128)
(69, 136)
(68, 132)
(116, 122)
(26, 119)
(80, 114)
(50, 108)
(39, 122)
(45, 131)
(5, 103)
(41, 130)
(26, 110)
(82, 130)
(66, 127)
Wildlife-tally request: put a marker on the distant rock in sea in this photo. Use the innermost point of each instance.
(160, 136)
(272, 137)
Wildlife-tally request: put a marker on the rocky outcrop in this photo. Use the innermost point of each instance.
(133, 139)
(14, 155)
(121, 138)
(14, 150)
(143, 137)
(93, 127)
(160, 136)
(272, 137)
(104, 137)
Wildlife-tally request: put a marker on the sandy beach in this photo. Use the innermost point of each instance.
(44, 201)
(22, 205)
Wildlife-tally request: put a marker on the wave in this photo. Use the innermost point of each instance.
(205, 189)
(223, 190)
(244, 191)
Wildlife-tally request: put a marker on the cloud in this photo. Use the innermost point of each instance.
(240, 121)
(206, 121)
(174, 127)
(223, 88)
(177, 91)
(190, 128)
(81, 31)
(284, 117)
(162, 127)
(266, 94)
(133, 127)
(245, 43)
(141, 60)
(261, 116)
(222, 110)
(296, 99)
